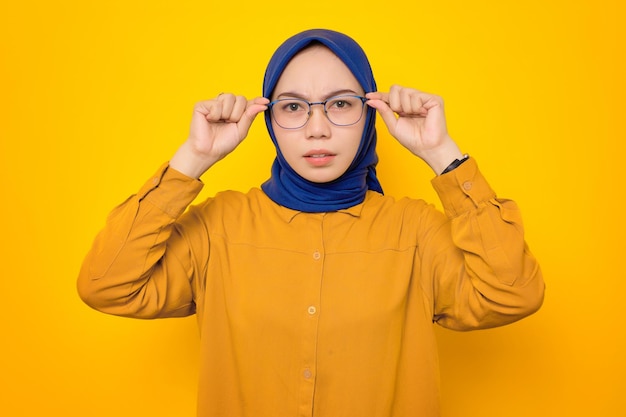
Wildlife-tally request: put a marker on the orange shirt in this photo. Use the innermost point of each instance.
(316, 314)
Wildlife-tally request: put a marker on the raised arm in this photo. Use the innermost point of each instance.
(140, 264)
(480, 271)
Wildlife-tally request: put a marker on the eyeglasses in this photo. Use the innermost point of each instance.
(293, 113)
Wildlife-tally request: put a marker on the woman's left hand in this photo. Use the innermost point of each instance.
(417, 120)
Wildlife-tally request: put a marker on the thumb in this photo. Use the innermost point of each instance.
(253, 108)
(388, 115)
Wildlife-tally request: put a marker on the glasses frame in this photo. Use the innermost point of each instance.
(315, 103)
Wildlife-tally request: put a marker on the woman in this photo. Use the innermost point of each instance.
(316, 294)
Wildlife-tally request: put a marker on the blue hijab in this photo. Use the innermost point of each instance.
(285, 187)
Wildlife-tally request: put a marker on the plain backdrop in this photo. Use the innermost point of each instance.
(94, 96)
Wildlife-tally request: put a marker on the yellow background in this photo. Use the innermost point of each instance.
(94, 96)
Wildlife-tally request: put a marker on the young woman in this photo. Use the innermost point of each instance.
(315, 293)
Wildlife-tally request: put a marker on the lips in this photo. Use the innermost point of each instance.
(319, 157)
(318, 153)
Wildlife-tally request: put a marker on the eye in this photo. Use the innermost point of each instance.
(292, 106)
(340, 104)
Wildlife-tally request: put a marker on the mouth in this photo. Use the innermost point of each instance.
(319, 153)
(319, 157)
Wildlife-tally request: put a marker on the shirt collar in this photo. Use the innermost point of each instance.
(288, 214)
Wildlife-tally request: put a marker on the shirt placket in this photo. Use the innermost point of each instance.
(311, 310)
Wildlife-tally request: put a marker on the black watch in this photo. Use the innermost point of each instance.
(455, 164)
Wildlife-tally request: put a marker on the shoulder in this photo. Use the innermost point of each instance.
(234, 202)
(376, 202)
(406, 214)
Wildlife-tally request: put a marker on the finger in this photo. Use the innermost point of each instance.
(239, 107)
(422, 104)
(410, 102)
(255, 106)
(227, 101)
(432, 101)
(378, 95)
(413, 102)
(420, 107)
(211, 110)
(394, 98)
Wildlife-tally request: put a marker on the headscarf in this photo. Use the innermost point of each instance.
(285, 186)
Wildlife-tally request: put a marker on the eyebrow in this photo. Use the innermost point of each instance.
(331, 94)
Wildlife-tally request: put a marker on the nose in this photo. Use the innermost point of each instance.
(318, 125)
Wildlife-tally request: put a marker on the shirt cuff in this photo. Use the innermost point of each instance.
(170, 190)
(462, 189)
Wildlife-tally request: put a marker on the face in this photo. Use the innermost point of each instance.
(319, 151)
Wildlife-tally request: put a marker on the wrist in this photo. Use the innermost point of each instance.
(441, 157)
(190, 163)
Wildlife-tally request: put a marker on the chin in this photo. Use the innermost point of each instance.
(320, 178)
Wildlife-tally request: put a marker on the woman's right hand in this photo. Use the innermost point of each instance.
(217, 127)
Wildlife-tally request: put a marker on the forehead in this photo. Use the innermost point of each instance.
(316, 68)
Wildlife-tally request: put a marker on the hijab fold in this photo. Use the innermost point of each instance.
(285, 187)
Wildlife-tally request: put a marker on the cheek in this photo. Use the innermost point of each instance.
(355, 139)
(287, 145)
(279, 134)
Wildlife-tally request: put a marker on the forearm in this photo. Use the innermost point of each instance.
(124, 273)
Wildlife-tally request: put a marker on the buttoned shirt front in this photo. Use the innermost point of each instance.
(316, 314)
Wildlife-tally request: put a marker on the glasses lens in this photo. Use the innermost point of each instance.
(293, 113)
(290, 113)
(344, 110)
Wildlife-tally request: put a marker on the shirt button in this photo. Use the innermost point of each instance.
(317, 255)
(467, 185)
(312, 310)
(155, 181)
(307, 373)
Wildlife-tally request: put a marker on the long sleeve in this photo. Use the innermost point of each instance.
(139, 266)
(486, 276)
